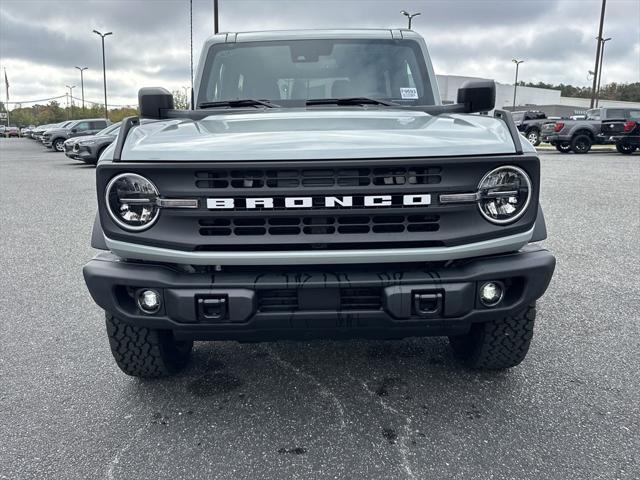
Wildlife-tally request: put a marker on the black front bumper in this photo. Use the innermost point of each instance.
(374, 301)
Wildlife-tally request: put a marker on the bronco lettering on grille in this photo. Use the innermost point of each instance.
(363, 201)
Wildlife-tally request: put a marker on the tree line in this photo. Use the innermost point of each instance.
(628, 92)
(54, 112)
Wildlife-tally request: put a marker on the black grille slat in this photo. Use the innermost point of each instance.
(318, 225)
(360, 299)
(268, 179)
(277, 300)
(286, 300)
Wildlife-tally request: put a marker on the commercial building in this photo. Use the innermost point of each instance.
(528, 98)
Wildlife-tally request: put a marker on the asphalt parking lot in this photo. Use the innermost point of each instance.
(355, 410)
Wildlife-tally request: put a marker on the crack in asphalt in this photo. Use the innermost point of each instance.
(402, 446)
(324, 391)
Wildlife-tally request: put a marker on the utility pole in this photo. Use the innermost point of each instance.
(70, 87)
(515, 84)
(104, 72)
(215, 16)
(82, 69)
(603, 41)
(190, 97)
(409, 16)
(597, 67)
(6, 92)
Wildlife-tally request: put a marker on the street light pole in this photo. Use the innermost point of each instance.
(409, 16)
(603, 41)
(104, 72)
(597, 67)
(515, 84)
(70, 87)
(82, 69)
(215, 16)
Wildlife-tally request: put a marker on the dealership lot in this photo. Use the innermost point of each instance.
(358, 409)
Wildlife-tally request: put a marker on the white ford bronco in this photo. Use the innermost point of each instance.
(318, 188)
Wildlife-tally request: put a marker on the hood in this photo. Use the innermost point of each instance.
(56, 130)
(318, 134)
(92, 138)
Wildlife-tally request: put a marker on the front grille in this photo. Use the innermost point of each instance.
(318, 225)
(287, 300)
(361, 298)
(336, 204)
(316, 177)
(277, 300)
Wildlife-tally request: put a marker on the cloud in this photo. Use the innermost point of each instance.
(41, 41)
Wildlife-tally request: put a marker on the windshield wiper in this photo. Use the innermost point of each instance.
(350, 101)
(245, 102)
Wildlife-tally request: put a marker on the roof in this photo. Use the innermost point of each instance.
(273, 35)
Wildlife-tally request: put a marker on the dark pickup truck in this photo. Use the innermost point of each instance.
(625, 133)
(530, 124)
(579, 135)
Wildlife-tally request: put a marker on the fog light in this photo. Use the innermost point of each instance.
(149, 301)
(491, 293)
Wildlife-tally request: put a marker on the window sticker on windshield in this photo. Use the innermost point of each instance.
(409, 93)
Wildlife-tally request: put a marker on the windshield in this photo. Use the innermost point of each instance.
(291, 72)
(110, 130)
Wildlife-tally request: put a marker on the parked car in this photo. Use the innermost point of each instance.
(579, 135)
(26, 131)
(530, 124)
(88, 149)
(625, 133)
(11, 132)
(54, 138)
(38, 131)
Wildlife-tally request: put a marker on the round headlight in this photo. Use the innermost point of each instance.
(132, 201)
(505, 194)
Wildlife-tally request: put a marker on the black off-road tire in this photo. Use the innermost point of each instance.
(144, 352)
(563, 147)
(625, 148)
(497, 344)
(581, 143)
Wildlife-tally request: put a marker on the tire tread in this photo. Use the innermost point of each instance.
(497, 344)
(144, 352)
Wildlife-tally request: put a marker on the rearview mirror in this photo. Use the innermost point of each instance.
(152, 100)
(74, 130)
(477, 95)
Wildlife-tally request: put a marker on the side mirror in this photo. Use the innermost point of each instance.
(477, 95)
(74, 130)
(152, 100)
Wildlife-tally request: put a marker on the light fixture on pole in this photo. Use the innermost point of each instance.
(602, 41)
(104, 71)
(70, 87)
(82, 69)
(515, 84)
(409, 16)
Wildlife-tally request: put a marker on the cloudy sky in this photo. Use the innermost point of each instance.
(42, 40)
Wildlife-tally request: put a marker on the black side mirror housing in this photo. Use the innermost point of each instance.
(74, 130)
(152, 100)
(477, 95)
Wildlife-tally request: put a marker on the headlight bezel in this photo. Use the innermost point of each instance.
(522, 173)
(118, 221)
